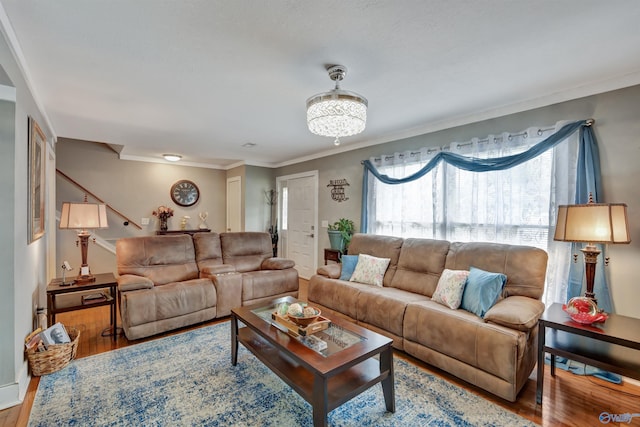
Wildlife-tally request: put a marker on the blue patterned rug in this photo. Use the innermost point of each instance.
(188, 380)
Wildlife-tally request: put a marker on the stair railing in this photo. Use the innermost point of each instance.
(127, 220)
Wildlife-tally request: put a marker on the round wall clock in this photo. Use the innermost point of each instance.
(185, 193)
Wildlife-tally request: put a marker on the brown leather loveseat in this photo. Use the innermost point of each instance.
(168, 282)
(496, 352)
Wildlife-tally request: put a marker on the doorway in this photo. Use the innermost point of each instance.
(298, 207)
(234, 204)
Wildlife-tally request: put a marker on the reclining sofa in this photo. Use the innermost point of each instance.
(168, 282)
(496, 352)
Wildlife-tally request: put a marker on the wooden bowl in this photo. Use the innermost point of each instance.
(304, 321)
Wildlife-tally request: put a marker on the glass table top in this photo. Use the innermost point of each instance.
(326, 342)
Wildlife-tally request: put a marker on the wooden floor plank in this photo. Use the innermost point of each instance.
(569, 400)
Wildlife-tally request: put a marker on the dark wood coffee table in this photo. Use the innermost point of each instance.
(325, 379)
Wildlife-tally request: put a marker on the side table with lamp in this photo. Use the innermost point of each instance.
(575, 330)
(64, 295)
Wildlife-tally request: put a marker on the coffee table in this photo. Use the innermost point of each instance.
(328, 378)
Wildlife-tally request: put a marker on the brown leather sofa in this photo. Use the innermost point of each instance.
(496, 353)
(168, 282)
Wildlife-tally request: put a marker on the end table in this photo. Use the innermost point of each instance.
(613, 345)
(332, 255)
(103, 281)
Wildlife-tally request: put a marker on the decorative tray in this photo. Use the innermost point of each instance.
(319, 325)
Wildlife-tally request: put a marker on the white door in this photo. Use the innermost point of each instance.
(301, 216)
(234, 204)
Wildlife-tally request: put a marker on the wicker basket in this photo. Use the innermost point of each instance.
(56, 357)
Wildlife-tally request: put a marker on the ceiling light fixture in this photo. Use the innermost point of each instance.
(337, 113)
(172, 157)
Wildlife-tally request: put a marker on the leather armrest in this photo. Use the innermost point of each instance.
(217, 269)
(516, 312)
(331, 271)
(131, 282)
(277, 264)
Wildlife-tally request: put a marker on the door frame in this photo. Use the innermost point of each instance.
(229, 180)
(279, 183)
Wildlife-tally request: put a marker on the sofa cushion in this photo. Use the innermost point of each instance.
(207, 247)
(466, 337)
(380, 247)
(348, 266)
(420, 265)
(524, 266)
(245, 250)
(163, 259)
(266, 283)
(516, 312)
(482, 290)
(450, 288)
(370, 270)
(335, 294)
(384, 307)
(167, 301)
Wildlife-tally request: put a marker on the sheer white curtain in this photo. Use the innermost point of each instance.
(516, 206)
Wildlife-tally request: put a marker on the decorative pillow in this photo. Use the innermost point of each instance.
(482, 290)
(450, 288)
(348, 265)
(370, 270)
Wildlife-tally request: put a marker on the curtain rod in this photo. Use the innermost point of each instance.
(589, 122)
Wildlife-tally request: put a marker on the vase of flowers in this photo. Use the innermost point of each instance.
(163, 213)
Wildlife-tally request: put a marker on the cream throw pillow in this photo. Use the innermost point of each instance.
(450, 288)
(370, 270)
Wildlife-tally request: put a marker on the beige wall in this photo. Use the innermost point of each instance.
(256, 210)
(134, 189)
(618, 131)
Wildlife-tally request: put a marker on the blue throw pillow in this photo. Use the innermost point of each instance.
(482, 290)
(348, 266)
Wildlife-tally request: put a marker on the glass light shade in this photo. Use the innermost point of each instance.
(337, 113)
(593, 223)
(172, 157)
(83, 216)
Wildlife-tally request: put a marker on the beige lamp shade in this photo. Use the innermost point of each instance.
(593, 223)
(83, 216)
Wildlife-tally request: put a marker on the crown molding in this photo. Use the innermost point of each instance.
(14, 46)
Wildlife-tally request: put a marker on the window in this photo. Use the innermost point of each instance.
(510, 206)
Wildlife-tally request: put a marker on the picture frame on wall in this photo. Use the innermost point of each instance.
(37, 151)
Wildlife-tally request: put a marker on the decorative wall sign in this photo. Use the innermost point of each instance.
(337, 192)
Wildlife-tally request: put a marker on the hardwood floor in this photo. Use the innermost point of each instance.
(569, 400)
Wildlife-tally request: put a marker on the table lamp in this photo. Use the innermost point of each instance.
(592, 223)
(83, 217)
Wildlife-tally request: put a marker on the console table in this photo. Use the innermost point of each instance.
(191, 232)
(613, 345)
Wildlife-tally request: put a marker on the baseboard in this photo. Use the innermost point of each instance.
(628, 380)
(13, 394)
(9, 395)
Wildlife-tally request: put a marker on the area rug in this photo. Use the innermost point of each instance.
(188, 380)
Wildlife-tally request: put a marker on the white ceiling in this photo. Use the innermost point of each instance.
(202, 78)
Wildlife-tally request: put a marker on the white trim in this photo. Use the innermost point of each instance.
(13, 394)
(10, 36)
(310, 174)
(7, 93)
